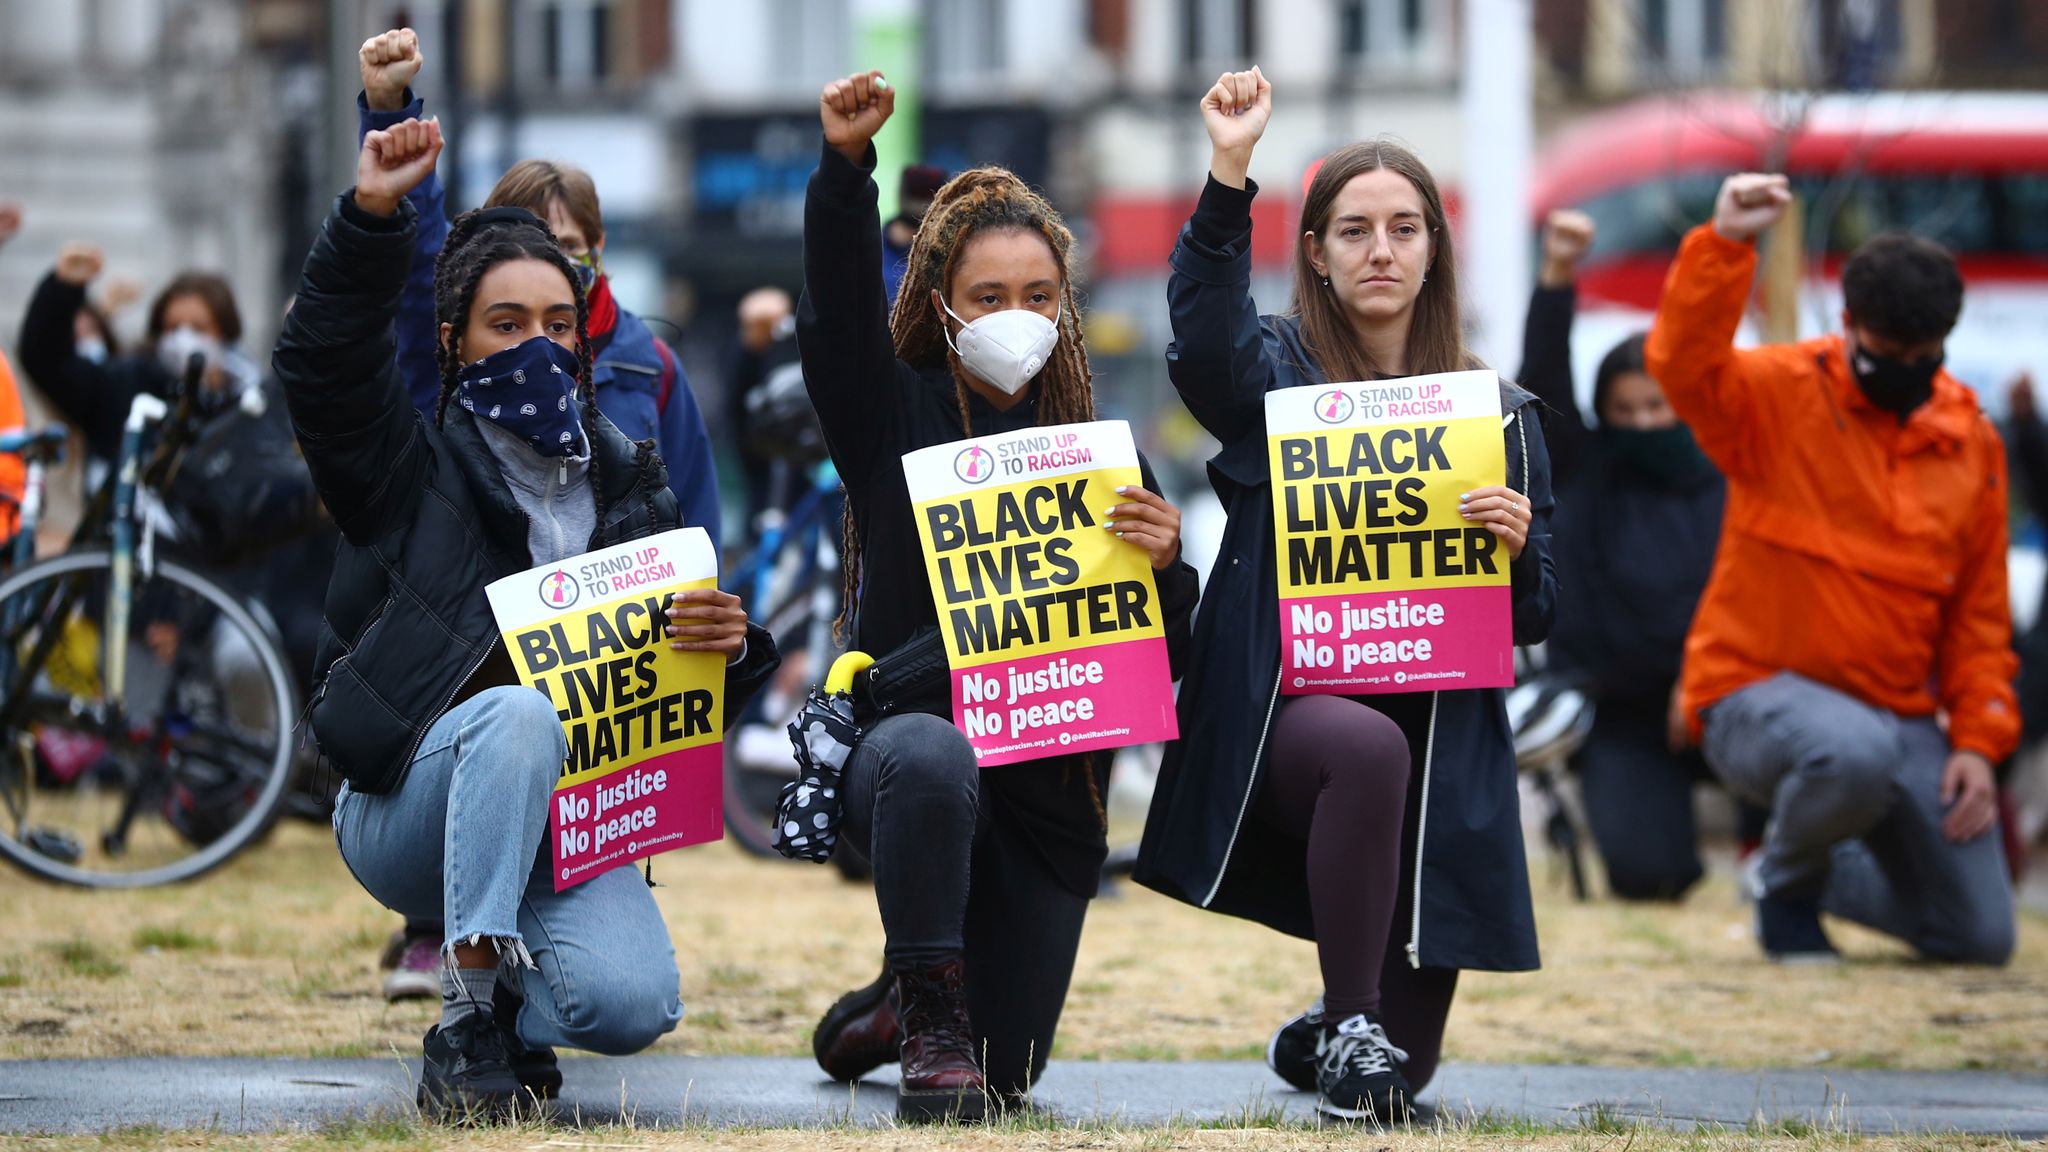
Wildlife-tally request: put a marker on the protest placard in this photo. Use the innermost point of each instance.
(1053, 628)
(645, 723)
(1384, 587)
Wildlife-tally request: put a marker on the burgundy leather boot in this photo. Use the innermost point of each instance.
(941, 1079)
(860, 1032)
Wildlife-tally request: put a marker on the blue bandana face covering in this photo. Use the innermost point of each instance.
(528, 390)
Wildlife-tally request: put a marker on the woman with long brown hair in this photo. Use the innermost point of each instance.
(1385, 827)
(982, 875)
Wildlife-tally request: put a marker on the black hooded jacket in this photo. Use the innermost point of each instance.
(426, 517)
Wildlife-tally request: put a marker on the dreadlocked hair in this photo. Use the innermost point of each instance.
(977, 202)
(473, 248)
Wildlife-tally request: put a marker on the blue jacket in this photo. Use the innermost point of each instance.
(1203, 843)
(627, 372)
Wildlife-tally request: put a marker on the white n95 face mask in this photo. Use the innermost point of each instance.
(1008, 348)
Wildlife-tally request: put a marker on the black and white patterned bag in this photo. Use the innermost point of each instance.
(823, 736)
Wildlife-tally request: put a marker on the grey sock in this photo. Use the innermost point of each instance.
(465, 992)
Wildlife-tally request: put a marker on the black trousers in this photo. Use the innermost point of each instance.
(1638, 796)
(949, 882)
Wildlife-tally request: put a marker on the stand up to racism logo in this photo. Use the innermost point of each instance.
(974, 464)
(558, 589)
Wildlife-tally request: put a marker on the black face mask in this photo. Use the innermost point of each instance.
(1667, 454)
(1896, 386)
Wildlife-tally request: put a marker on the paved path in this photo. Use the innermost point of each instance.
(243, 1095)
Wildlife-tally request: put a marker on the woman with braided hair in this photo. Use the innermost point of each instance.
(982, 876)
(449, 763)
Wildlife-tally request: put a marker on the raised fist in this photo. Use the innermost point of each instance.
(1236, 110)
(2019, 396)
(853, 110)
(389, 61)
(1749, 203)
(1567, 235)
(393, 162)
(10, 221)
(77, 264)
(120, 293)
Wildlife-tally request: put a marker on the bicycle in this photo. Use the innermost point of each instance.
(144, 710)
(790, 583)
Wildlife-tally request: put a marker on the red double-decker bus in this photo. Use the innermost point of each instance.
(1967, 169)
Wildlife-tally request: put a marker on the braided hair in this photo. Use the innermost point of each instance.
(478, 241)
(977, 202)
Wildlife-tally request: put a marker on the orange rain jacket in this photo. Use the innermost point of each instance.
(12, 470)
(1859, 552)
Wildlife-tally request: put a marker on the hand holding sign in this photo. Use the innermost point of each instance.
(1147, 521)
(707, 620)
(641, 707)
(1504, 512)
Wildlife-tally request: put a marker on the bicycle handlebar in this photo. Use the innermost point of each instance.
(44, 441)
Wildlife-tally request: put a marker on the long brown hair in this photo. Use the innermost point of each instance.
(1436, 336)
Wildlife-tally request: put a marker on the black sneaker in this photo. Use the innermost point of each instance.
(1790, 932)
(1358, 1073)
(1291, 1053)
(465, 1077)
(535, 1066)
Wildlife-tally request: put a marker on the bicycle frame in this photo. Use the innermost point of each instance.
(805, 517)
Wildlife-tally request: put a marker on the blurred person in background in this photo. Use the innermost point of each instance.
(1858, 596)
(240, 505)
(12, 470)
(767, 321)
(914, 192)
(2027, 450)
(640, 386)
(1639, 512)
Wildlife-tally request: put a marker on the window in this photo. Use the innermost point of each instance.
(1858, 41)
(1683, 40)
(572, 42)
(1217, 32)
(966, 39)
(1405, 36)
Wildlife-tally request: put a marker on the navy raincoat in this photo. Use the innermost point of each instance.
(1468, 905)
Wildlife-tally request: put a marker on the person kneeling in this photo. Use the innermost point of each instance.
(449, 763)
(982, 875)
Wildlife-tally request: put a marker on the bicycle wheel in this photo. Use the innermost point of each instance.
(185, 768)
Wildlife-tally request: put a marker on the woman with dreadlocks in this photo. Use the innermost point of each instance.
(1385, 828)
(449, 763)
(982, 876)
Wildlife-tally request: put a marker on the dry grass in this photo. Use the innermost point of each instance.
(1027, 1136)
(275, 955)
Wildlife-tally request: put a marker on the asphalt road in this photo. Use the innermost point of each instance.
(261, 1095)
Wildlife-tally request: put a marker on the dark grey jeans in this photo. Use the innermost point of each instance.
(1854, 794)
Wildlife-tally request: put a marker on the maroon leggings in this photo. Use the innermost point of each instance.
(1339, 778)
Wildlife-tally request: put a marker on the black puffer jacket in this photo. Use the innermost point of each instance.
(426, 517)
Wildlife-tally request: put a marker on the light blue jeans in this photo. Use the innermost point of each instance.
(463, 840)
